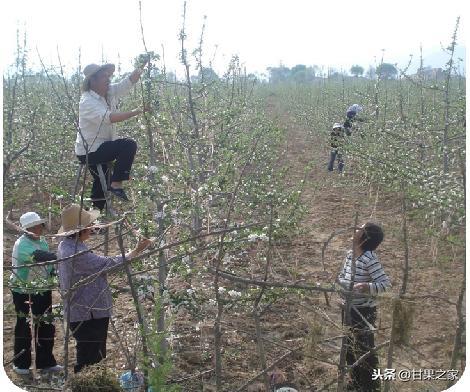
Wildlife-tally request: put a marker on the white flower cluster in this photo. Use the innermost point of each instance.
(234, 294)
(258, 237)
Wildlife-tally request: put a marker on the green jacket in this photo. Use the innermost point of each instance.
(26, 279)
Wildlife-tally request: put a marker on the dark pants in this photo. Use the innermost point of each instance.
(360, 341)
(335, 154)
(43, 331)
(91, 338)
(122, 151)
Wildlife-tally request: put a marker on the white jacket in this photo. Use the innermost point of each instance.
(93, 113)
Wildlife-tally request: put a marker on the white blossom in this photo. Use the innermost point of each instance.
(234, 293)
(263, 237)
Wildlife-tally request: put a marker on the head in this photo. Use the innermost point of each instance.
(368, 237)
(337, 126)
(353, 110)
(38, 230)
(98, 78)
(32, 222)
(83, 234)
(78, 222)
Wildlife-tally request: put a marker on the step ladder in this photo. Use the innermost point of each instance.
(105, 181)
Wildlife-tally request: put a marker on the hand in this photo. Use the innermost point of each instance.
(361, 287)
(143, 244)
(143, 60)
(146, 108)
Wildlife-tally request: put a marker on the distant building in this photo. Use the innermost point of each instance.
(428, 73)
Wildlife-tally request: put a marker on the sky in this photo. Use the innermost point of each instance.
(262, 33)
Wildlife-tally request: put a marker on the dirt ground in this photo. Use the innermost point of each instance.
(332, 200)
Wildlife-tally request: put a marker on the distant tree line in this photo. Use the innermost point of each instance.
(303, 74)
(299, 73)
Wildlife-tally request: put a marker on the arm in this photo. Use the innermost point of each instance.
(44, 255)
(135, 76)
(91, 263)
(341, 279)
(380, 280)
(124, 86)
(123, 116)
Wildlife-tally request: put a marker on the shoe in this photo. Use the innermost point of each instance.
(20, 371)
(119, 192)
(53, 369)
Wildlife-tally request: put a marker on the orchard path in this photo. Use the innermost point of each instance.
(332, 202)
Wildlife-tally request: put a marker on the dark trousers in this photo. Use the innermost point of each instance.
(91, 338)
(335, 154)
(122, 151)
(360, 341)
(43, 331)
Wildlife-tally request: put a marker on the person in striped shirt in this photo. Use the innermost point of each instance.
(367, 281)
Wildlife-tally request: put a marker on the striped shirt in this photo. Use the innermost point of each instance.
(368, 270)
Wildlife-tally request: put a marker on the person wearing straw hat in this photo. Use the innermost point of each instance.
(31, 291)
(87, 307)
(97, 142)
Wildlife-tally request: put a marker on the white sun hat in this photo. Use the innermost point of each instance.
(356, 108)
(31, 219)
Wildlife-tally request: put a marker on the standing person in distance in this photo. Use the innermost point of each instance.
(97, 117)
(369, 280)
(90, 305)
(336, 143)
(351, 117)
(31, 292)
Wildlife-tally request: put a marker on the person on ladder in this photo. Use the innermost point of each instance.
(96, 138)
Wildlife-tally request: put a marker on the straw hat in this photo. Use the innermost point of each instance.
(31, 219)
(75, 218)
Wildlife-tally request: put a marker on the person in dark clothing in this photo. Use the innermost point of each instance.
(89, 306)
(97, 141)
(31, 293)
(371, 280)
(336, 142)
(351, 118)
